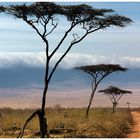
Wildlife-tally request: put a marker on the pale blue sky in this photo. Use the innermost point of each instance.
(22, 59)
(17, 36)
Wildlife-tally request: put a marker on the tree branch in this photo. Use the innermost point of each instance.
(110, 98)
(103, 76)
(75, 36)
(59, 62)
(116, 96)
(120, 97)
(72, 43)
(87, 32)
(92, 82)
(26, 122)
(54, 26)
(93, 75)
(45, 30)
(63, 38)
(34, 27)
(114, 100)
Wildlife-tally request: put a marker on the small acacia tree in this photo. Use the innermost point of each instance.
(97, 74)
(115, 94)
(128, 104)
(44, 18)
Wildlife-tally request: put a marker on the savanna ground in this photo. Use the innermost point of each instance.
(70, 123)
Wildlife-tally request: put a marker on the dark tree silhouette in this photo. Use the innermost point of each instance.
(128, 104)
(2, 9)
(97, 74)
(115, 94)
(44, 18)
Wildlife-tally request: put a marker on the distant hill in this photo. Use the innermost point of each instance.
(21, 77)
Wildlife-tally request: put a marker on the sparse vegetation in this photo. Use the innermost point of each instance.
(100, 124)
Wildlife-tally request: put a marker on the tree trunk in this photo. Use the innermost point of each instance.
(42, 118)
(43, 124)
(87, 112)
(90, 101)
(114, 107)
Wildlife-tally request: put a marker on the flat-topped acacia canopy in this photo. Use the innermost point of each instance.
(2, 9)
(92, 17)
(90, 69)
(114, 91)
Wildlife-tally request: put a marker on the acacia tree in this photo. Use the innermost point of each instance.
(128, 104)
(44, 18)
(97, 74)
(2, 9)
(115, 94)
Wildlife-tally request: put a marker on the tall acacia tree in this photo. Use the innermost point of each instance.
(44, 18)
(115, 94)
(97, 74)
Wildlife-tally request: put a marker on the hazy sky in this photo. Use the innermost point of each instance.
(114, 43)
(22, 50)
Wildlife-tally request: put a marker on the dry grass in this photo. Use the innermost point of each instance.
(100, 124)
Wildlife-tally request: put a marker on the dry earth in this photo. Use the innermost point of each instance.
(135, 127)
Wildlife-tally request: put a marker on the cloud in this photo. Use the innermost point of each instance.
(18, 59)
(75, 59)
(130, 61)
(37, 59)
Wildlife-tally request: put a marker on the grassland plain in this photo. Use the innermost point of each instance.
(70, 122)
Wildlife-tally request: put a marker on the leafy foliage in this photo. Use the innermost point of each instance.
(101, 68)
(2, 9)
(114, 91)
(83, 14)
